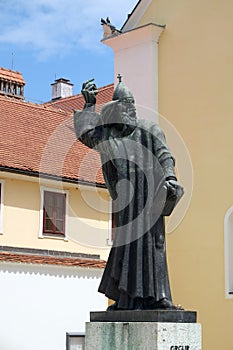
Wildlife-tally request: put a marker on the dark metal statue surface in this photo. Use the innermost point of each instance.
(139, 173)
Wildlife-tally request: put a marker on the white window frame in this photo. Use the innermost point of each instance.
(109, 240)
(228, 246)
(2, 183)
(55, 190)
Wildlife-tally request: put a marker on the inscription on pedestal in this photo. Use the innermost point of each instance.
(143, 336)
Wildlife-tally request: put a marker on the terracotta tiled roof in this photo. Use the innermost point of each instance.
(41, 139)
(50, 260)
(8, 74)
(76, 101)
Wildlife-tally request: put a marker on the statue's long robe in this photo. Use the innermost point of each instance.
(136, 267)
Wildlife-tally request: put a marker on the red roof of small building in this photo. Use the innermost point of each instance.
(12, 75)
(40, 139)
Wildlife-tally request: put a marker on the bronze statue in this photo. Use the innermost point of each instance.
(139, 172)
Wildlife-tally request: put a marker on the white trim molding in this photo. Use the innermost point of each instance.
(2, 183)
(55, 190)
(228, 245)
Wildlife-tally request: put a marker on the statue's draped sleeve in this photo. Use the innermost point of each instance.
(163, 153)
(88, 127)
(90, 131)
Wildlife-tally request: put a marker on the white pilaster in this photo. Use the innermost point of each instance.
(136, 59)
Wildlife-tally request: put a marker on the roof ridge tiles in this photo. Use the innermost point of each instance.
(11, 75)
(9, 70)
(34, 105)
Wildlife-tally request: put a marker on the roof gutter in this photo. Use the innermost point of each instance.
(50, 177)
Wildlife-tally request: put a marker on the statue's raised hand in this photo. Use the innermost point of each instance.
(89, 92)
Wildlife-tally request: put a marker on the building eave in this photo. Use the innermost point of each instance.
(136, 15)
(37, 175)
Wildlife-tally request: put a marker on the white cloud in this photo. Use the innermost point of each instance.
(52, 27)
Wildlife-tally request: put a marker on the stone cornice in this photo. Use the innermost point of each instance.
(133, 37)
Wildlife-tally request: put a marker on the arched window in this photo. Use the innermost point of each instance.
(228, 241)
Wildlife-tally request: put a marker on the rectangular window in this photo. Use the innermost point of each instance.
(54, 213)
(1, 205)
(75, 341)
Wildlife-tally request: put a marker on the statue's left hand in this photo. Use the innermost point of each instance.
(174, 192)
(174, 189)
(89, 91)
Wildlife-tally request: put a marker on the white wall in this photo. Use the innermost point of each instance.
(136, 59)
(39, 304)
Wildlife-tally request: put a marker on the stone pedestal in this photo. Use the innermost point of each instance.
(143, 335)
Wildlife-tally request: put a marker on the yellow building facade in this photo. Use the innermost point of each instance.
(195, 77)
(52, 192)
(87, 224)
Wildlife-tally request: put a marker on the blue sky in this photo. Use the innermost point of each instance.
(50, 39)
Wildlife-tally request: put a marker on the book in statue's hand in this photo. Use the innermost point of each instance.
(174, 193)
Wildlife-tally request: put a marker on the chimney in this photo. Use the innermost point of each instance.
(61, 88)
(11, 83)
